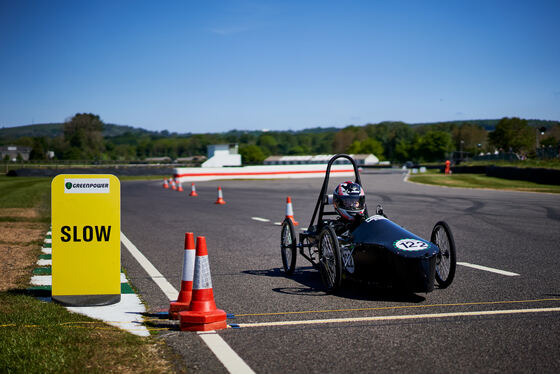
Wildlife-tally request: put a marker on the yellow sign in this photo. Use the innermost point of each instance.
(86, 239)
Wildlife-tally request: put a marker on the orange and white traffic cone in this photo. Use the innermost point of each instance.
(180, 187)
(220, 197)
(173, 185)
(185, 295)
(202, 314)
(290, 211)
(193, 190)
(165, 185)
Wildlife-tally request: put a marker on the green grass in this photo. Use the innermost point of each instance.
(42, 337)
(24, 192)
(481, 181)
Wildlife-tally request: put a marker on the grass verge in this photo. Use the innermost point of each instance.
(481, 181)
(44, 337)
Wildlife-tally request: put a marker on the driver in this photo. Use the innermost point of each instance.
(349, 200)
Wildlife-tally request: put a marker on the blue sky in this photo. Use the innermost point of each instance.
(212, 66)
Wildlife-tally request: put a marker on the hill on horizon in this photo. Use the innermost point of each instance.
(52, 130)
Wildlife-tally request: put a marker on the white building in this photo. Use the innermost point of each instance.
(222, 155)
(11, 153)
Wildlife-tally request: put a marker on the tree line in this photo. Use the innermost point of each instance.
(82, 139)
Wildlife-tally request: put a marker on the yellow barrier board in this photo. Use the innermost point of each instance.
(86, 245)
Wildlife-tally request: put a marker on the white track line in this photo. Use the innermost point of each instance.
(227, 356)
(401, 317)
(260, 219)
(485, 268)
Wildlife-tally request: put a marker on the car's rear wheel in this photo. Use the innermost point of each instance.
(288, 246)
(330, 262)
(446, 259)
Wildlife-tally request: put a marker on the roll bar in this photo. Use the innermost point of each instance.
(320, 206)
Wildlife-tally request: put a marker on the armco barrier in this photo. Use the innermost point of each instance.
(537, 175)
(260, 172)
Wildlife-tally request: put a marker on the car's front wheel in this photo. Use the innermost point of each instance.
(288, 246)
(446, 260)
(330, 261)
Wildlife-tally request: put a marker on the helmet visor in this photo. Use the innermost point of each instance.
(351, 203)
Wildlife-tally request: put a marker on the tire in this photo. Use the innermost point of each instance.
(288, 246)
(330, 261)
(446, 260)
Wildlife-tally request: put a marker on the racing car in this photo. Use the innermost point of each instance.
(349, 243)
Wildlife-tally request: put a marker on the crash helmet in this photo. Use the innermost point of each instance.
(349, 200)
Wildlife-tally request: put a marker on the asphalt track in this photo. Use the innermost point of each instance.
(290, 325)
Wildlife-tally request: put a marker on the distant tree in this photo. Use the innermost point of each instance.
(365, 147)
(297, 150)
(433, 145)
(39, 148)
(251, 154)
(403, 150)
(472, 136)
(513, 134)
(400, 144)
(268, 144)
(83, 132)
(344, 138)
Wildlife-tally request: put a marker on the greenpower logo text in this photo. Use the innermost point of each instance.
(86, 185)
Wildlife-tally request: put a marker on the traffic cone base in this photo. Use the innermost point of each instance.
(215, 315)
(203, 326)
(180, 188)
(175, 307)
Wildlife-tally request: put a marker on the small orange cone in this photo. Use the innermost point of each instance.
(193, 190)
(220, 197)
(185, 295)
(173, 185)
(290, 211)
(180, 187)
(165, 185)
(202, 314)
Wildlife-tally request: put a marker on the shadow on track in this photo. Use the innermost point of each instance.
(309, 278)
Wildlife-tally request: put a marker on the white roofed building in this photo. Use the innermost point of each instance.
(222, 155)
